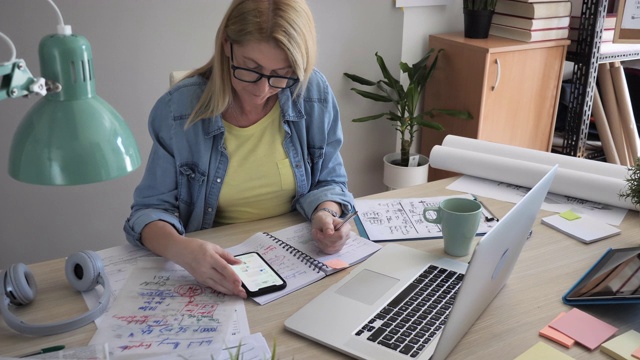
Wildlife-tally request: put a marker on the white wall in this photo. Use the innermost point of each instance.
(135, 46)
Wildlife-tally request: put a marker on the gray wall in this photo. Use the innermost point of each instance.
(135, 46)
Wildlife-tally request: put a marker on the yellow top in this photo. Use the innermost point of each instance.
(259, 182)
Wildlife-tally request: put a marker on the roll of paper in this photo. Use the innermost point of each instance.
(604, 132)
(580, 178)
(536, 156)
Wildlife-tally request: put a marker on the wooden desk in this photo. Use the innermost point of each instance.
(550, 263)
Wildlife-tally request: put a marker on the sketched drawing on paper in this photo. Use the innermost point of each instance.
(401, 219)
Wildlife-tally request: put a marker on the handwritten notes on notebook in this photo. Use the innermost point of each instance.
(296, 257)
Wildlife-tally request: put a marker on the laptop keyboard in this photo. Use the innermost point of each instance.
(410, 322)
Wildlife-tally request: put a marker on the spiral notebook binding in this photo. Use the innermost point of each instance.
(311, 262)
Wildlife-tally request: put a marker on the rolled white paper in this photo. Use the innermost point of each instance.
(536, 156)
(585, 185)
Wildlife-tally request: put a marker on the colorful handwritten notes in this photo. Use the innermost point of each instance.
(162, 309)
(555, 335)
(542, 351)
(584, 328)
(623, 346)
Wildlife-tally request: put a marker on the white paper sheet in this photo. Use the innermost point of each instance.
(402, 219)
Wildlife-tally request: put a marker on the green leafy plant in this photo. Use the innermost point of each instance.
(479, 4)
(404, 117)
(631, 191)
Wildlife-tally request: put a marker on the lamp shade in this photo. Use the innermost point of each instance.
(72, 136)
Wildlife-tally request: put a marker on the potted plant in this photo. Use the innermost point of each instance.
(631, 191)
(477, 17)
(404, 116)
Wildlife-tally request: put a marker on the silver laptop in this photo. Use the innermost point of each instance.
(403, 303)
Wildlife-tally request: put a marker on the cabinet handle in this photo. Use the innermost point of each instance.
(495, 85)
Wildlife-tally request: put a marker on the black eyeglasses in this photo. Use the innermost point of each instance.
(251, 76)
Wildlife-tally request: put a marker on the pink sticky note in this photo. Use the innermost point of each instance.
(336, 264)
(584, 328)
(636, 354)
(557, 336)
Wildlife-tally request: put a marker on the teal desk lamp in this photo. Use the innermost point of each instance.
(70, 136)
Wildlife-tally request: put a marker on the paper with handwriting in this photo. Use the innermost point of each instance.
(162, 309)
(401, 219)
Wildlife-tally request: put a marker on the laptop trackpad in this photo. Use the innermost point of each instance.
(367, 286)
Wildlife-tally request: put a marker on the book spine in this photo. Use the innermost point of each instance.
(303, 257)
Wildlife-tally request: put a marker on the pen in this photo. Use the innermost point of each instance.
(346, 219)
(487, 218)
(44, 351)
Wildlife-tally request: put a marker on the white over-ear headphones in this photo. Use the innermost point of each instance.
(84, 272)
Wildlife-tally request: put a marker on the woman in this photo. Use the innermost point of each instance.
(254, 133)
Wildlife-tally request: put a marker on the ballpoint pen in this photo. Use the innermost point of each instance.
(346, 219)
(491, 217)
(44, 351)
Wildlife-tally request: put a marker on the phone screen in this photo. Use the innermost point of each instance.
(258, 277)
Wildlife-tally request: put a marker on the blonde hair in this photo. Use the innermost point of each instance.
(287, 23)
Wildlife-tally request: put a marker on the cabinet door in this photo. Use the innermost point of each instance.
(457, 83)
(521, 94)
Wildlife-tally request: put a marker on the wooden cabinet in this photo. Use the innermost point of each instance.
(510, 87)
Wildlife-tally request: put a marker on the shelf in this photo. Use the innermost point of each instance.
(589, 53)
(618, 52)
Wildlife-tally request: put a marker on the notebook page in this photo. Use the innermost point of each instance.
(354, 251)
(296, 273)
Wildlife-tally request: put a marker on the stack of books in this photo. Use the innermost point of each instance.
(532, 20)
(607, 32)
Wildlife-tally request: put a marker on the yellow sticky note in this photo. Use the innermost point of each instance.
(543, 351)
(336, 264)
(569, 215)
(623, 346)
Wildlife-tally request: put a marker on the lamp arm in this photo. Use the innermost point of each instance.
(17, 81)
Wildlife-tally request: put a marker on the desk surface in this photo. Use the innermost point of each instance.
(550, 263)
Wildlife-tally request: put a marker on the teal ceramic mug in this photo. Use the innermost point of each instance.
(459, 219)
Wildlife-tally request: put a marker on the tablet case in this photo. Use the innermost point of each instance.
(600, 300)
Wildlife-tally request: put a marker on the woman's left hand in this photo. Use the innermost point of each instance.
(323, 232)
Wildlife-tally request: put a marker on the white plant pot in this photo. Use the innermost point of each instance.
(396, 177)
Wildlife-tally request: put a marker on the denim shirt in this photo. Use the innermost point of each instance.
(186, 167)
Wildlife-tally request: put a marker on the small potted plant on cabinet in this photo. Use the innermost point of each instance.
(404, 116)
(477, 17)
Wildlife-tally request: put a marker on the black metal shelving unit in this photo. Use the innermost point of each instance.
(586, 58)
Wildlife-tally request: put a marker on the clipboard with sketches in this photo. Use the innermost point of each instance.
(401, 219)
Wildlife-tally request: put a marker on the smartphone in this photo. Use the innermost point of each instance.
(258, 277)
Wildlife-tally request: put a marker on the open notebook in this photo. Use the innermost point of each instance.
(296, 257)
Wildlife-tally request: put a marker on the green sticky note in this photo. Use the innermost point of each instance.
(569, 215)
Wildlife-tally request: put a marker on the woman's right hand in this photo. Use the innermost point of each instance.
(207, 262)
(209, 265)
